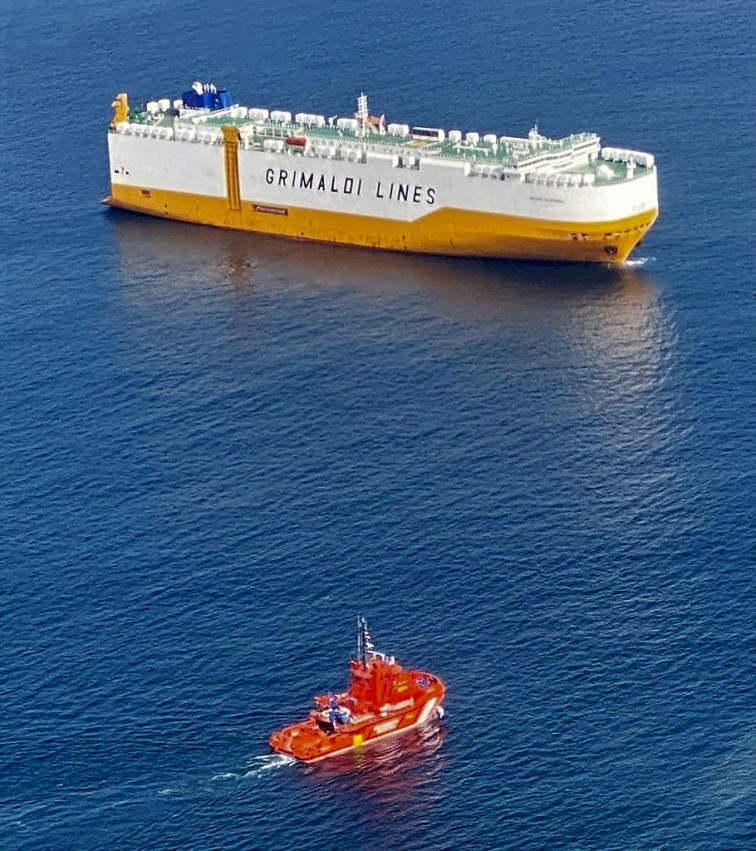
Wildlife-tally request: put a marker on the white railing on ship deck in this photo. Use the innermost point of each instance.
(359, 150)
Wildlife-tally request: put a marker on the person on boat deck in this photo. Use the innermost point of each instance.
(336, 714)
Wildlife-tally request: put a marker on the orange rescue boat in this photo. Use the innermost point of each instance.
(383, 699)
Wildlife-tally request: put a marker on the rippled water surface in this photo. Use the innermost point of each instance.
(218, 449)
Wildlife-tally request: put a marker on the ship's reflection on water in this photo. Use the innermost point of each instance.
(180, 256)
(596, 342)
(388, 758)
(404, 772)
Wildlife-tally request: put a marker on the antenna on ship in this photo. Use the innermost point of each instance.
(364, 643)
(362, 111)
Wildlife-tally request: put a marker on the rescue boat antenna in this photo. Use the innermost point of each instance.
(362, 111)
(364, 644)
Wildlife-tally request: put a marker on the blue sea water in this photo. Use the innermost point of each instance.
(537, 481)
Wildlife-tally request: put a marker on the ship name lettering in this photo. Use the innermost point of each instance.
(313, 180)
(541, 199)
(414, 193)
(409, 193)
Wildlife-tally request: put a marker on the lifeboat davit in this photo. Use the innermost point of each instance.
(383, 699)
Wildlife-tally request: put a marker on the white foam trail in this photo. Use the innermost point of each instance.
(268, 761)
(638, 262)
(256, 767)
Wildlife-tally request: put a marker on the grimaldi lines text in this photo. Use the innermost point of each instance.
(357, 180)
(349, 185)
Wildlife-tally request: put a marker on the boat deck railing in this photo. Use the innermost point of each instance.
(508, 150)
(523, 158)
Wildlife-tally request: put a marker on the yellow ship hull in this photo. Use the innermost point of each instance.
(448, 230)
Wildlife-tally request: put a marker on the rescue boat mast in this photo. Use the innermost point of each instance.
(364, 643)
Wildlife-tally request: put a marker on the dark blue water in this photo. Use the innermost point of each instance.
(218, 449)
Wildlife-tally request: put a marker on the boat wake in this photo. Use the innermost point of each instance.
(257, 767)
(639, 262)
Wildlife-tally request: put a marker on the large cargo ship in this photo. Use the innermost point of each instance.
(358, 180)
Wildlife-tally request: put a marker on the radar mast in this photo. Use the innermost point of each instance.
(362, 112)
(364, 642)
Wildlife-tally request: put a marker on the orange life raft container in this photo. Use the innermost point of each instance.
(383, 699)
